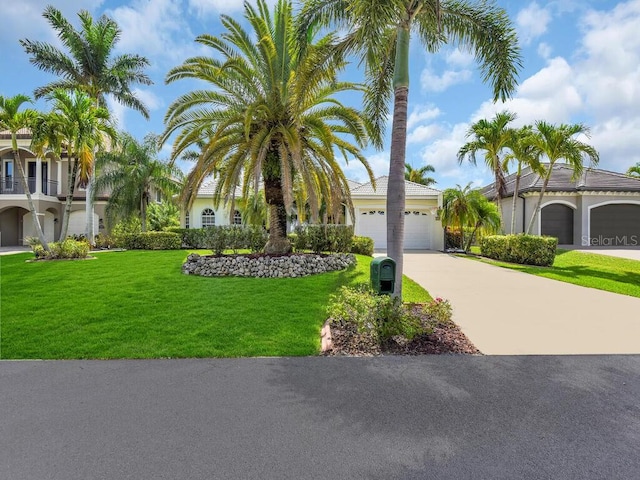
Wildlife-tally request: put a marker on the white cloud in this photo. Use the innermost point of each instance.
(150, 99)
(204, 8)
(423, 133)
(421, 113)
(118, 112)
(545, 50)
(378, 161)
(459, 58)
(433, 82)
(532, 22)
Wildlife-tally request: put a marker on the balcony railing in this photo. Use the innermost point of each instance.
(13, 186)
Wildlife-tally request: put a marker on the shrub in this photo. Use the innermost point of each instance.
(380, 316)
(439, 311)
(523, 249)
(362, 245)
(150, 241)
(103, 241)
(68, 248)
(324, 238)
(452, 239)
(256, 238)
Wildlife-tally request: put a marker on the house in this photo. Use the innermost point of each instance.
(47, 181)
(599, 208)
(423, 229)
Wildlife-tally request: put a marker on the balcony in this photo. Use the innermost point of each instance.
(13, 186)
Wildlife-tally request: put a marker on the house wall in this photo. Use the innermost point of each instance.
(10, 221)
(195, 213)
(590, 200)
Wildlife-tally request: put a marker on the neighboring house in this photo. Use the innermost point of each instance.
(423, 229)
(599, 208)
(47, 180)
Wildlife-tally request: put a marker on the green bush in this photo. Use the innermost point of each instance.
(256, 238)
(104, 241)
(379, 316)
(523, 249)
(362, 245)
(439, 311)
(68, 248)
(324, 238)
(224, 237)
(150, 241)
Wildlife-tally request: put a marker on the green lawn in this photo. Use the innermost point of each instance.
(613, 274)
(137, 304)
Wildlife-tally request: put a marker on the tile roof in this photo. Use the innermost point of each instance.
(208, 188)
(411, 189)
(562, 180)
(22, 134)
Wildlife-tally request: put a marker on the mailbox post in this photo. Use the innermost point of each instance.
(383, 275)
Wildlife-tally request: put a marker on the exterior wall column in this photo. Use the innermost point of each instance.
(38, 175)
(59, 183)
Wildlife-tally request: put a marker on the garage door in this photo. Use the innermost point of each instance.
(557, 221)
(373, 223)
(615, 225)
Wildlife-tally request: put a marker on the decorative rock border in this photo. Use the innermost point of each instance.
(265, 266)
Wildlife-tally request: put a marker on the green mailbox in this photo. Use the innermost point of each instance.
(383, 275)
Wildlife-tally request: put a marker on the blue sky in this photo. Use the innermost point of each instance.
(581, 64)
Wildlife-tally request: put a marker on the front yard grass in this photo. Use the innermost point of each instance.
(138, 304)
(613, 274)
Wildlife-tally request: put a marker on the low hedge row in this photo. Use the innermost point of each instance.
(68, 248)
(523, 249)
(149, 241)
(362, 246)
(323, 238)
(223, 237)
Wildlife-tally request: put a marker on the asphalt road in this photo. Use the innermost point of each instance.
(436, 417)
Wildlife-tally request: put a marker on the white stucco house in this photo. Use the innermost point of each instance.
(423, 229)
(599, 208)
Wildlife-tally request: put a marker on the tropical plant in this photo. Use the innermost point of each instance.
(380, 33)
(272, 115)
(163, 215)
(133, 173)
(558, 143)
(418, 175)
(91, 67)
(12, 119)
(634, 171)
(78, 128)
(525, 155)
(253, 209)
(484, 218)
(493, 137)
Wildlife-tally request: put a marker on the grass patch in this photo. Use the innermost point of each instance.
(613, 274)
(138, 304)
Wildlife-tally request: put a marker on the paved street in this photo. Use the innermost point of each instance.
(438, 417)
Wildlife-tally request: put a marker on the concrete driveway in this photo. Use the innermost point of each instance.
(505, 312)
(437, 417)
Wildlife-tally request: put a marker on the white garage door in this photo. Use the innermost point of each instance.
(373, 223)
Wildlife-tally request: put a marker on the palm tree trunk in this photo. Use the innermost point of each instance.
(396, 187)
(468, 247)
(143, 213)
(278, 243)
(514, 204)
(32, 206)
(537, 209)
(71, 188)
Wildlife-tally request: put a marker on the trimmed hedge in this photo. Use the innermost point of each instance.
(523, 249)
(362, 246)
(219, 238)
(68, 248)
(150, 241)
(324, 238)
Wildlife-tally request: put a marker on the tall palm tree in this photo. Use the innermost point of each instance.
(484, 216)
(559, 143)
(133, 173)
(380, 32)
(89, 65)
(418, 175)
(271, 116)
(493, 137)
(77, 126)
(634, 171)
(456, 210)
(525, 155)
(12, 119)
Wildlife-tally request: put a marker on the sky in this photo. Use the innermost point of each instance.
(581, 63)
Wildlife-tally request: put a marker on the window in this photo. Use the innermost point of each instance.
(186, 220)
(237, 218)
(8, 176)
(208, 218)
(158, 196)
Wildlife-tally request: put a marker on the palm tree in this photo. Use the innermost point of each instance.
(12, 119)
(492, 137)
(271, 117)
(634, 171)
(456, 208)
(484, 217)
(558, 143)
(380, 32)
(77, 126)
(417, 175)
(133, 172)
(525, 155)
(90, 67)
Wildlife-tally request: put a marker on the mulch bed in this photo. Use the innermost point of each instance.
(446, 338)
